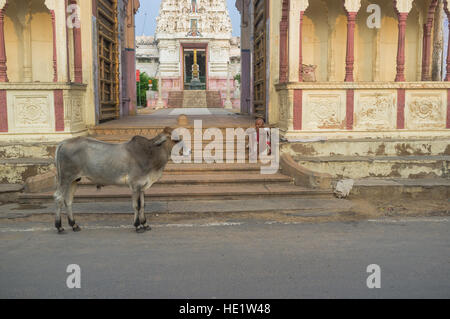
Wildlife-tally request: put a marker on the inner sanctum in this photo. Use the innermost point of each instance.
(194, 68)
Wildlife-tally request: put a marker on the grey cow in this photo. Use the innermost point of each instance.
(137, 163)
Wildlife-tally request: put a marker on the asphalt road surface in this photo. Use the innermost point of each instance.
(246, 258)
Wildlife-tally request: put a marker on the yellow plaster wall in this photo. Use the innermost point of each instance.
(14, 55)
(42, 47)
(315, 38)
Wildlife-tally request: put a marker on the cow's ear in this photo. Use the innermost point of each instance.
(160, 140)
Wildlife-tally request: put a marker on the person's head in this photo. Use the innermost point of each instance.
(259, 123)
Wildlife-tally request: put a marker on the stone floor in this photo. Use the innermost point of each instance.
(210, 117)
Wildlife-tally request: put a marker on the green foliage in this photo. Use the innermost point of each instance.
(238, 77)
(154, 84)
(141, 88)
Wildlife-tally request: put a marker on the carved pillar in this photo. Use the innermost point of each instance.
(300, 55)
(351, 7)
(447, 11)
(55, 62)
(284, 56)
(3, 68)
(402, 7)
(27, 60)
(427, 28)
(350, 57)
(77, 51)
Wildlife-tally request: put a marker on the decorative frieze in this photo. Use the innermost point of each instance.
(426, 110)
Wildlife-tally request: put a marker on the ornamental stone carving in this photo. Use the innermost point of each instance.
(196, 17)
(425, 110)
(324, 111)
(375, 111)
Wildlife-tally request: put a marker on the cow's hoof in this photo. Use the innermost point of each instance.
(76, 228)
(61, 230)
(147, 227)
(140, 230)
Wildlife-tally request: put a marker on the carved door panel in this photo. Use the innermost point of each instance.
(108, 59)
(259, 57)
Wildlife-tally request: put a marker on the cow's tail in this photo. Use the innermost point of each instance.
(58, 194)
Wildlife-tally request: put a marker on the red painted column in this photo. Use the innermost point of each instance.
(401, 47)
(350, 58)
(3, 112)
(55, 62)
(298, 109)
(427, 29)
(349, 68)
(350, 109)
(447, 11)
(284, 55)
(3, 68)
(300, 48)
(78, 58)
(59, 110)
(448, 108)
(400, 109)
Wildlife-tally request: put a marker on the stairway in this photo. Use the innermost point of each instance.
(213, 99)
(188, 182)
(194, 99)
(175, 99)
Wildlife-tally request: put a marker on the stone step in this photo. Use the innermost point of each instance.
(357, 167)
(217, 178)
(435, 188)
(370, 147)
(10, 192)
(193, 192)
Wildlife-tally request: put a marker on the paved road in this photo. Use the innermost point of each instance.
(247, 258)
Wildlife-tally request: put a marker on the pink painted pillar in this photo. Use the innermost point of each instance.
(427, 29)
(284, 54)
(3, 68)
(402, 16)
(77, 52)
(3, 75)
(349, 67)
(350, 58)
(447, 11)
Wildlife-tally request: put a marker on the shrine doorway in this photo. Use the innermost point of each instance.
(195, 53)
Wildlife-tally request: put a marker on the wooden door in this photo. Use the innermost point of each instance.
(108, 60)
(260, 57)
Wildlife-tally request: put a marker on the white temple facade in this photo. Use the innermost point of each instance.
(189, 33)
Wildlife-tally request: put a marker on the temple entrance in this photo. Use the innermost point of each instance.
(194, 57)
(108, 60)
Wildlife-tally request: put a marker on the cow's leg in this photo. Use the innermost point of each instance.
(69, 200)
(142, 217)
(60, 196)
(137, 207)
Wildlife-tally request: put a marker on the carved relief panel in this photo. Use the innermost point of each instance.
(375, 110)
(324, 110)
(31, 112)
(426, 110)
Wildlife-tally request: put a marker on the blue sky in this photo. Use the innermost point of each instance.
(151, 8)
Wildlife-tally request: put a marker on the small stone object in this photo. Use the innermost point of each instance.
(343, 188)
(183, 120)
(309, 73)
